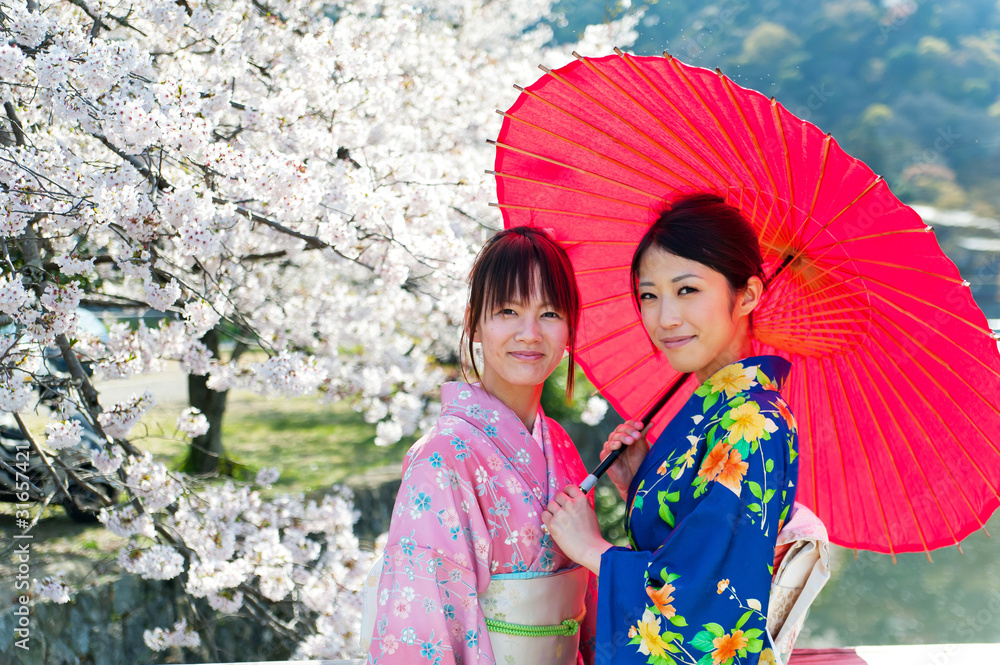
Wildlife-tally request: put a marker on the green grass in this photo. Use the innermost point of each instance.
(313, 445)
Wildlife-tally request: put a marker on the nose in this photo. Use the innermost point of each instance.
(529, 330)
(669, 317)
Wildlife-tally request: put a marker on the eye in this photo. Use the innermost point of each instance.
(647, 296)
(685, 290)
(507, 311)
(552, 315)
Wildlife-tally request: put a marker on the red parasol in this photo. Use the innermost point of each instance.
(896, 375)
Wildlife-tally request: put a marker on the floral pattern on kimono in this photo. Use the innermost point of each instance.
(703, 514)
(469, 507)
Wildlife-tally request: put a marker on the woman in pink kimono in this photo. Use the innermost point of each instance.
(469, 574)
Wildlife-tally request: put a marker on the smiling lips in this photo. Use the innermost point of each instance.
(528, 355)
(674, 342)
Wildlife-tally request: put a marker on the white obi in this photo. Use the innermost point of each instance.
(532, 618)
(535, 602)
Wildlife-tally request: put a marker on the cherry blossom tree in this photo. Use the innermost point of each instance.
(305, 178)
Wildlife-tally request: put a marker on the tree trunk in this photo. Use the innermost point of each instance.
(206, 451)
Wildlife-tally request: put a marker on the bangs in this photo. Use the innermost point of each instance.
(520, 270)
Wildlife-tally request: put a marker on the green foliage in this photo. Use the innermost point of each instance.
(554, 400)
(768, 40)
(703, 641)
(314, 445)
(876, 114)
(665, 513)
(610, 509)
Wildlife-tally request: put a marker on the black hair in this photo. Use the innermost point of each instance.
(704, 228)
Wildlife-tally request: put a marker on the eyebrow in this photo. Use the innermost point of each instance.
(675, 279)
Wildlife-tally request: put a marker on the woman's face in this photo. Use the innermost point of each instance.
(689, 313)
(522, 343)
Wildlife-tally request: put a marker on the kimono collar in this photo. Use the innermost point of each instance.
(755, 372)
(472, 404)
(486, 411)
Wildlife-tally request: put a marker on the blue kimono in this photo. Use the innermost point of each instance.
(703, 514)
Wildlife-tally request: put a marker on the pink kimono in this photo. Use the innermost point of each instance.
(469, 507)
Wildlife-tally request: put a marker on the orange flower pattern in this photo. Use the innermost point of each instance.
(715, 461)
(661, 599)
(727, 646)
(725, 465)
(732, 472)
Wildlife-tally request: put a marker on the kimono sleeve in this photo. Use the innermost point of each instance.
(702, 596)
(436, 562)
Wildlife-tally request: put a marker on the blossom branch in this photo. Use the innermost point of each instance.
(15, 123)
(141, 189)
(154, 179)
(312, 242)
(99, 24)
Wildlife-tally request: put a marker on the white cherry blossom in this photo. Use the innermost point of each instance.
(126, 521)
(119, 420)
(192, 422)
(63, 434)
(181, 635)
(159, 562)
(52, 588)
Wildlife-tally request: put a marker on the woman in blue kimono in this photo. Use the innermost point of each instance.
(705, 503)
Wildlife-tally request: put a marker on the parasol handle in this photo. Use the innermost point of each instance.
(591, 480)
